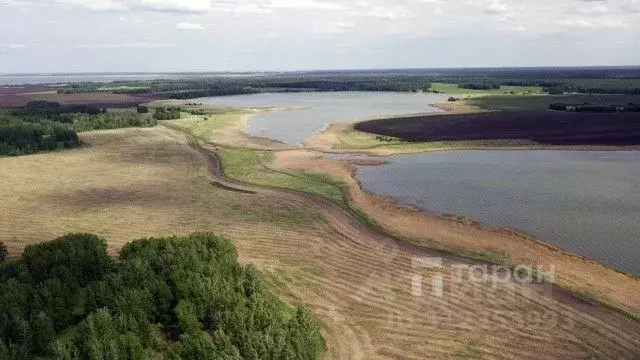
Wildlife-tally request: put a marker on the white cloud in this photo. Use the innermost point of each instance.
(189, 26)
(534, 32)
(336, 28)
(189, 6)
(306, 4)
(136, 45)
(594, 9)
(591, 24)
(344, 25)
(12, 46)
(95, 5)
(496, 7)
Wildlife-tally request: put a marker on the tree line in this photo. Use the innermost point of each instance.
(595, 108)
(479, 86)
(163, 298)
(45, 126)
(19, 137)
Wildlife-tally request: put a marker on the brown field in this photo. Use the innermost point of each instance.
(127, 184)
(96, 99)
(544, 127)
(15, 96)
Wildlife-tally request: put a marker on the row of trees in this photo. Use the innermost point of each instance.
(479, 86)
(164, 298)
(595, 108)
(167, 113)
(115, 120)
(49, 108)
(19, 137)
(45, 126)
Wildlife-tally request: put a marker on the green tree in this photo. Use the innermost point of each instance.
(3, 251)
(43, 334)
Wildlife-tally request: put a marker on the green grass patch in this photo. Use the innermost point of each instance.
(203, 126)
(504, 90)
(122, 87)
(543, 102)
(250, 166)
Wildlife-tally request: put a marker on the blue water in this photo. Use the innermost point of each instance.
(585, 202)
(311, 113)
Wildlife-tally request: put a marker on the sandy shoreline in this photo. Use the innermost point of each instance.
(463, 236)
(584, 276)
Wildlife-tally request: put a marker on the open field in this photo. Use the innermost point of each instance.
(449, 88)
(141, 182)
(96, 99)
(305, 171)
(15, 96)
(542, 127)
(224, 127)
(509, 102)
(343, 137)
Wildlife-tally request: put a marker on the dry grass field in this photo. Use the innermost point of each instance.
(126, 184)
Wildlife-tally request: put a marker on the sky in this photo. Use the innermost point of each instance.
(280, 35)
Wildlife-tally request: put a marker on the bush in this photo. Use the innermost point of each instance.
(18, 137)
(3, 251)
(558, 106)
(142, 109)
(164, 298)
(170, 113)
(49, 108)
(479, 86)
(115, 120)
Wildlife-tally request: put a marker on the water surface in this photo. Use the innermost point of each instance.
(313, 112)
(585, 202)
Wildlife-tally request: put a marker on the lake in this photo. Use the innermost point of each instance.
(310, 113)
(585, 202)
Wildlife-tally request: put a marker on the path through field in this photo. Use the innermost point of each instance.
(361, 284)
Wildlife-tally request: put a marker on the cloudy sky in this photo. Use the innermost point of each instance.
(239, 35)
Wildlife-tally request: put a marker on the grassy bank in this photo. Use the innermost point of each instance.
(450, 88)
(252, 166)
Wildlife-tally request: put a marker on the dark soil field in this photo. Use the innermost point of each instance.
(16, 96)
(541, 126)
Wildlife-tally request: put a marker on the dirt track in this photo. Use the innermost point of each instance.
(361, 290)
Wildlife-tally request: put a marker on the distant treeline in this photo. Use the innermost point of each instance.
(479, 86)
(222, 86)
(45, 126)
(594, 108)
(554, 81)
(48, 108)
(177, 298)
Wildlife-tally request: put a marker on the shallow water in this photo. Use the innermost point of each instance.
(586, 202)
(313, 112)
